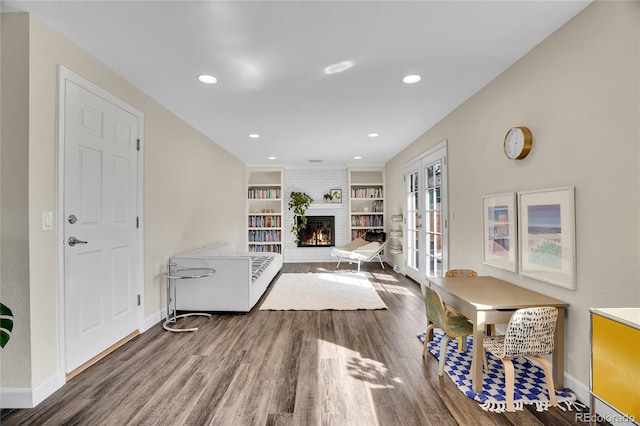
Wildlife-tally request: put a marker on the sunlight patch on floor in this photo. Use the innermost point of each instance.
(384, 277)
(395, 290)
(374, 373)
(356, 279)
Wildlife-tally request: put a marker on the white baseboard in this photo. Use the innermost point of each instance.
(154, 319)
(396, 268)
(16, 398)
(580, 389)
(27, 397)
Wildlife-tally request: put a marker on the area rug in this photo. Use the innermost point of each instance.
(322, 291)
(530, 386)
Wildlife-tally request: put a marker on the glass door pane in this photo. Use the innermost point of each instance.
(413, 220)
(433, 222)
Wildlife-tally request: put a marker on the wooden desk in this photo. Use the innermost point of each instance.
(489, 300)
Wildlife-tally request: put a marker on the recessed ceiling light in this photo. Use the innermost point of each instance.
(357, 157)
(373, 135)
(207, 79)
(410, 79)
(315, 161)
(272, 158)
(339, 67)
(254, 136)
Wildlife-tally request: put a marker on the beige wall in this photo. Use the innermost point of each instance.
(14, 203)
(578, 92)
(193, 191)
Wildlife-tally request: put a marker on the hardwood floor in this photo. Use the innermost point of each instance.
(278, 368)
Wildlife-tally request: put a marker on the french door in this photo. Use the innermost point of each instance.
(425, 180)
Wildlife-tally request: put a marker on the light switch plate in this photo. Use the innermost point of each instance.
(47, 221)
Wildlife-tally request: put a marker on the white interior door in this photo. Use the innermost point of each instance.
(426, 214)
(101, 288)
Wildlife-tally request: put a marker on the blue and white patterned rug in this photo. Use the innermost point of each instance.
(530, 385)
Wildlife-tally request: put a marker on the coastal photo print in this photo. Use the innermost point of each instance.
(547, 235)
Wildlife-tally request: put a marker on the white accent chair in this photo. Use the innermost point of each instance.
(363, 249)
(530, 334)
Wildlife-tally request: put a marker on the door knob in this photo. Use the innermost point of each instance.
(73, 241)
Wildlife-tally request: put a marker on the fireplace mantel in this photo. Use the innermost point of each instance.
(325, 206)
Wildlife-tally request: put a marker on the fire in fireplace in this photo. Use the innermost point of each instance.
(318, 232)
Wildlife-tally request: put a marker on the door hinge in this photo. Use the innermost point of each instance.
(139, 300)
(446, 223)
(444, 160)
(138, 144)
(137, 221)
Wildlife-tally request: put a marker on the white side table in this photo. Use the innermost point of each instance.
(182, 274)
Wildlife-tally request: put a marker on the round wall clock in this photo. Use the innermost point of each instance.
(517, 143)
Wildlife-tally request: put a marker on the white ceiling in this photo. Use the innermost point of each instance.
(269, 58)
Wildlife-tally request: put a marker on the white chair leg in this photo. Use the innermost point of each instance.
(358, 265)
(380, 259)
(546, 366)
(339, 260)
(443, 353)
(509, 381)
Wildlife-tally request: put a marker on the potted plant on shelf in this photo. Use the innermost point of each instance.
(333, 196)
(299, 203)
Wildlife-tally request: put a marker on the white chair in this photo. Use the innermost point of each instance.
(362, 249)
(530, 334)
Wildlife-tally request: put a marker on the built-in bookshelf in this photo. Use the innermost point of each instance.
(366, 200)
(264, 209)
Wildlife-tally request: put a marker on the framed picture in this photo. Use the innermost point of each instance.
(336, 195)
(547, 236)
(500, 231)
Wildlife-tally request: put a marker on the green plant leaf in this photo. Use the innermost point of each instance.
(299, 203)
(4, 338)
(4, 310)
(6, 324)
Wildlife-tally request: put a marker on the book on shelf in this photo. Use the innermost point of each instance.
(367, 192)
(264, 193)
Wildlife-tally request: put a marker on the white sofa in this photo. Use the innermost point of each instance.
(240, 279)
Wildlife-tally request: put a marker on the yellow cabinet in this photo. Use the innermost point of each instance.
(615, 359)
